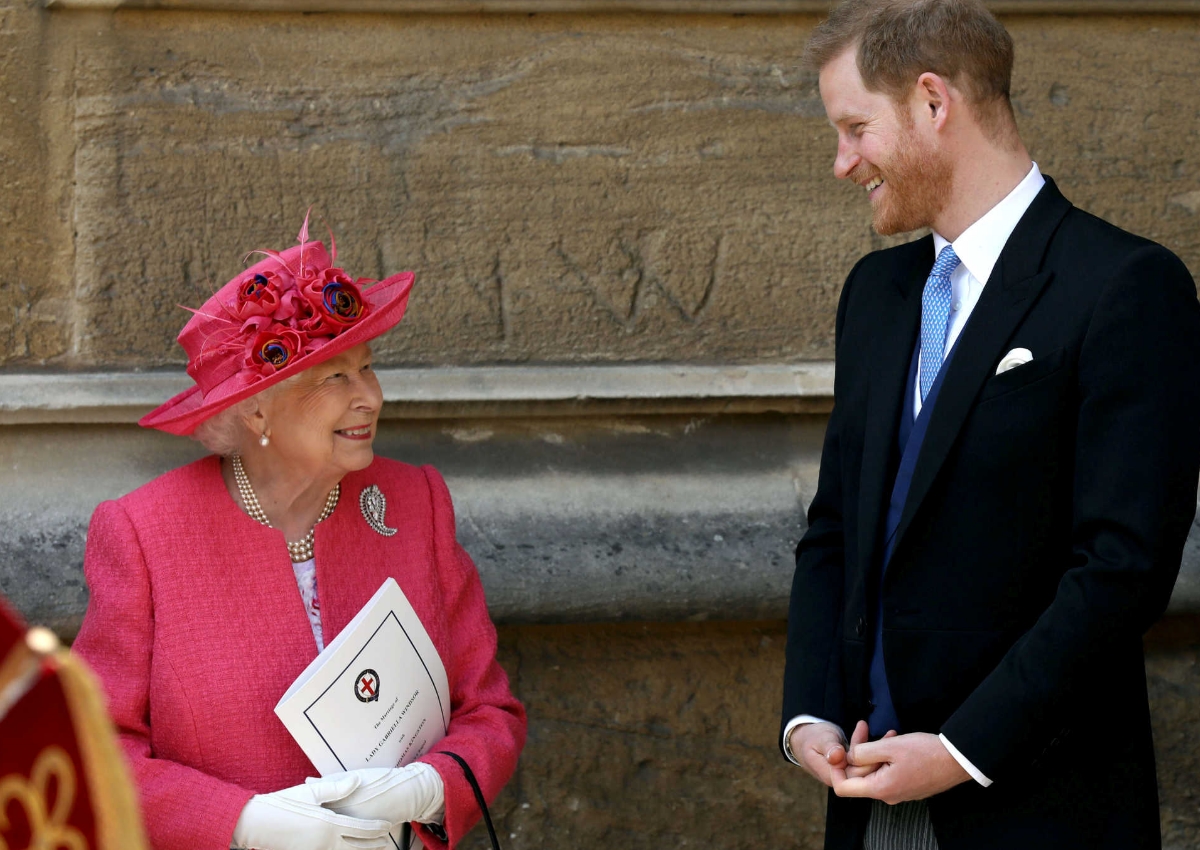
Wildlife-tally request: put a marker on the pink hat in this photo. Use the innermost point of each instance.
(291, 311)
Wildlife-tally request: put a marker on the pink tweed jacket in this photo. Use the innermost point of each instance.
(196, 628)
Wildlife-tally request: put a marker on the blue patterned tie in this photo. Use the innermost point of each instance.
(935, 316)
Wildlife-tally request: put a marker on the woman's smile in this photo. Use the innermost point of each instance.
(361, 433)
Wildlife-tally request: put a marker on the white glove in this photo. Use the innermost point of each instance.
(399, 794)
(296, 818)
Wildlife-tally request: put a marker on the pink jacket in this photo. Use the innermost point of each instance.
(196, 628)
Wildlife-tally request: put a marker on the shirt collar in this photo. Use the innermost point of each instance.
(980, 245)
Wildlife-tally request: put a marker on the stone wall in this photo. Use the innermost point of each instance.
(569, 188)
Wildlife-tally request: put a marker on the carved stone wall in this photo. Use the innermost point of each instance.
(568, 188)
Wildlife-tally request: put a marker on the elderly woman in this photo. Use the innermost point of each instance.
(216, 584)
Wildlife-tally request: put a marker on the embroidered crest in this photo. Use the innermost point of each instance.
(374, 505)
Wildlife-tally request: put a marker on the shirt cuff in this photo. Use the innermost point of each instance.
(966, 764)
(801, 720)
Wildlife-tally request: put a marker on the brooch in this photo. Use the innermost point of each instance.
(374, 504)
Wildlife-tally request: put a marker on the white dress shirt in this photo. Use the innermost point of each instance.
(979, 249)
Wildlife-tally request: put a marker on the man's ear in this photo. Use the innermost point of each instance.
(933, 100)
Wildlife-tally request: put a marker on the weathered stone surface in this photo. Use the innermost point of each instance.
(654, 736)
(1000, 7)
(540, 227)
(569, 188)
(1113, 112)
(33, 301)
(1173, 676)
(461, 392)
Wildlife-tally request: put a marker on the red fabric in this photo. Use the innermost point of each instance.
(37, 728)
(196, 628)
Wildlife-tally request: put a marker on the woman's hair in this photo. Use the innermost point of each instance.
(896, 42)
(225, 433)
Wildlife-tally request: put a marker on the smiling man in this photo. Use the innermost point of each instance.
(1008, 476)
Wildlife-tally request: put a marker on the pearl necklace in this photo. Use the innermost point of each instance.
(301, 550)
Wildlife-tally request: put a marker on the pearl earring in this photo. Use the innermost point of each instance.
(264, 440)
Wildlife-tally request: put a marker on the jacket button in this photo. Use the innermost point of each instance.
(860, 628)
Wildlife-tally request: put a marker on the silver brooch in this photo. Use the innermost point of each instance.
(374, 504)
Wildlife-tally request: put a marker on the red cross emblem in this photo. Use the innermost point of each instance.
(366, 686)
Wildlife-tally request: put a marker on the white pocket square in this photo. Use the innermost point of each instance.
(1016, 357)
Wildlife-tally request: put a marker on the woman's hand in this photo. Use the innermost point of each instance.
(399, 794)
(297, 818)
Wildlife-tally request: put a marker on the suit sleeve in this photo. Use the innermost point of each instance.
(183, 808)
(1137, 451)
(487, 723)
(812, 671)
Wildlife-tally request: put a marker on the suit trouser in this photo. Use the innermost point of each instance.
(905, 826)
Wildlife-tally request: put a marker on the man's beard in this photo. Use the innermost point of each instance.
(915, 190)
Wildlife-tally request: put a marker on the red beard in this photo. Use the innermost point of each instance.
(915, 190)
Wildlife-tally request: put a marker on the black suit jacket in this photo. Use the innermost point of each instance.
(1041, 536)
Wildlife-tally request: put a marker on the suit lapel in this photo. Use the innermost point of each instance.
(890, 359)
(1013, 288)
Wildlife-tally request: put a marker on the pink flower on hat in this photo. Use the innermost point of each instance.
(336, 300)
(292, 306)
(272, 349)
(284, 315)
(258, 295)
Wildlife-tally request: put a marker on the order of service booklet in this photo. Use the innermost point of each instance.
(377, 696)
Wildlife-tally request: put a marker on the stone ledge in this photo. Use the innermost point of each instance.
(710, 7)
(590, 519)
(122, 397)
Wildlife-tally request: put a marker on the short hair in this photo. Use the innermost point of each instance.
(898, 40)
(225, 433)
